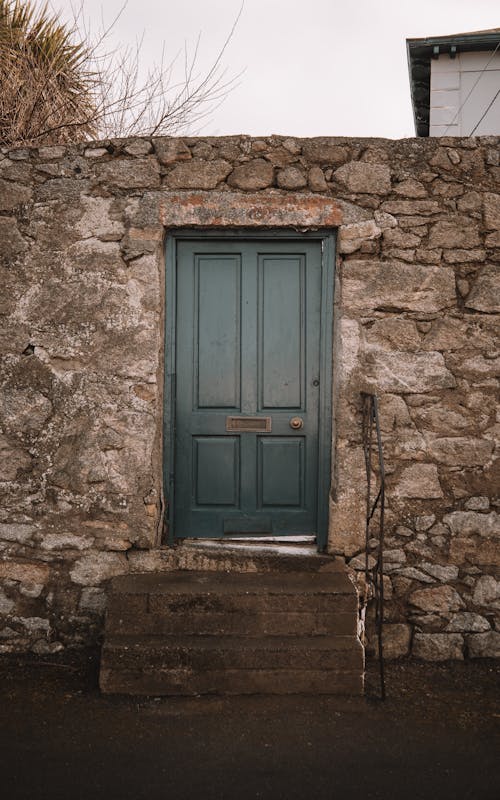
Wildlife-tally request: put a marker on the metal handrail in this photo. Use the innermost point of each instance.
(375, 575)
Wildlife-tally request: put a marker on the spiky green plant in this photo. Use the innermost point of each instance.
(46, 87)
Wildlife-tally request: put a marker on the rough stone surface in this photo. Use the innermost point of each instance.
(137, 173)
(249, 210)
(256, 174)
(424, 521)
(171, 150)
(95, 568)
(139, 147)
(474, 550)
(461, 450)
(457, 232)
(81, 364)
(438, 646)
(422, 208)
(13, 459)
(468, 622)
(405, 373)
(486, 591)
(197, 174)
(16, 532)
(13, 194)
(6, 604)
(65, 541)
(394, 333)
(439, 599)
(12, 242)
(485, 294)
(365, 178)
(396, 641)
(97, 220)
(441, 573)
(477, 504)
(395, 286)
(24, 571)
(484, 645)
(492, 211)
(291, 178)
(353, 236)
(93, 600)
(466, 523)
(410, 188)
(325, 152)
(316, 180)
(414, 574)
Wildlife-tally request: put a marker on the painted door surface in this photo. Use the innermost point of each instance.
(247, 355)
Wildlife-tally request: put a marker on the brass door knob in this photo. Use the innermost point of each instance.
(296, 423)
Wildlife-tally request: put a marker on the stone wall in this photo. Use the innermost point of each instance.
(416, 320)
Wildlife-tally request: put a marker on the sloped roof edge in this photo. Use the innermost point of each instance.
(419, 52)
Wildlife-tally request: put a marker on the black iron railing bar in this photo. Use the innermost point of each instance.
(371, 421)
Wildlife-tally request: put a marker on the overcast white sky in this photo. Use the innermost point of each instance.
(311, 67)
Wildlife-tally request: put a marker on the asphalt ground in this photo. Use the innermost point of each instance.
(436, 736)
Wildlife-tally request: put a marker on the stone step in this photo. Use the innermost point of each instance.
(212, 555)
(232, 620)
(200, 602)
(190, 584)
(278, 631)
(244, 604)
(232, 665)
(232, 682)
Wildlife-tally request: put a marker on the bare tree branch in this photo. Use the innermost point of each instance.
(59, 83)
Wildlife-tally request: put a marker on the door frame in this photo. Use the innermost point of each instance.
(325, 423)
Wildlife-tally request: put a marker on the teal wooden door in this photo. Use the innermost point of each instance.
(247, 387)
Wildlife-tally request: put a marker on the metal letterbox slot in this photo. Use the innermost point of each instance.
(248, 424)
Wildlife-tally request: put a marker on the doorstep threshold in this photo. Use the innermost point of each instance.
(271, 539)
(278, 545)
(245, 539)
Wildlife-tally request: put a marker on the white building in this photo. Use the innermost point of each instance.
(455, 84)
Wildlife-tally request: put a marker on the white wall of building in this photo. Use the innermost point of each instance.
(462, 88)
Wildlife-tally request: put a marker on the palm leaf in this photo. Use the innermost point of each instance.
(46, 89)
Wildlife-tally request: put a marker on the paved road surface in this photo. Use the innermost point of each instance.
(436, 737)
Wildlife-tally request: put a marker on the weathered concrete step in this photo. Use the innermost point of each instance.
(183, 582)
(244, 603)
(184, 681)
(243, 622)
(233, 665)
(213, 601)
(228, 556)
(225, 652)
(184, 632)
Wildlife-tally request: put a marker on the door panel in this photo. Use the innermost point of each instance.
(216, 478)
(281, 471)
(217, 324)
(247, 345)
(281, 301)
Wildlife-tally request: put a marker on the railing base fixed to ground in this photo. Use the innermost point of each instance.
(374, 576)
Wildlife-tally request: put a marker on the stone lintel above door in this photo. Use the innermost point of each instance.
(255, 210)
